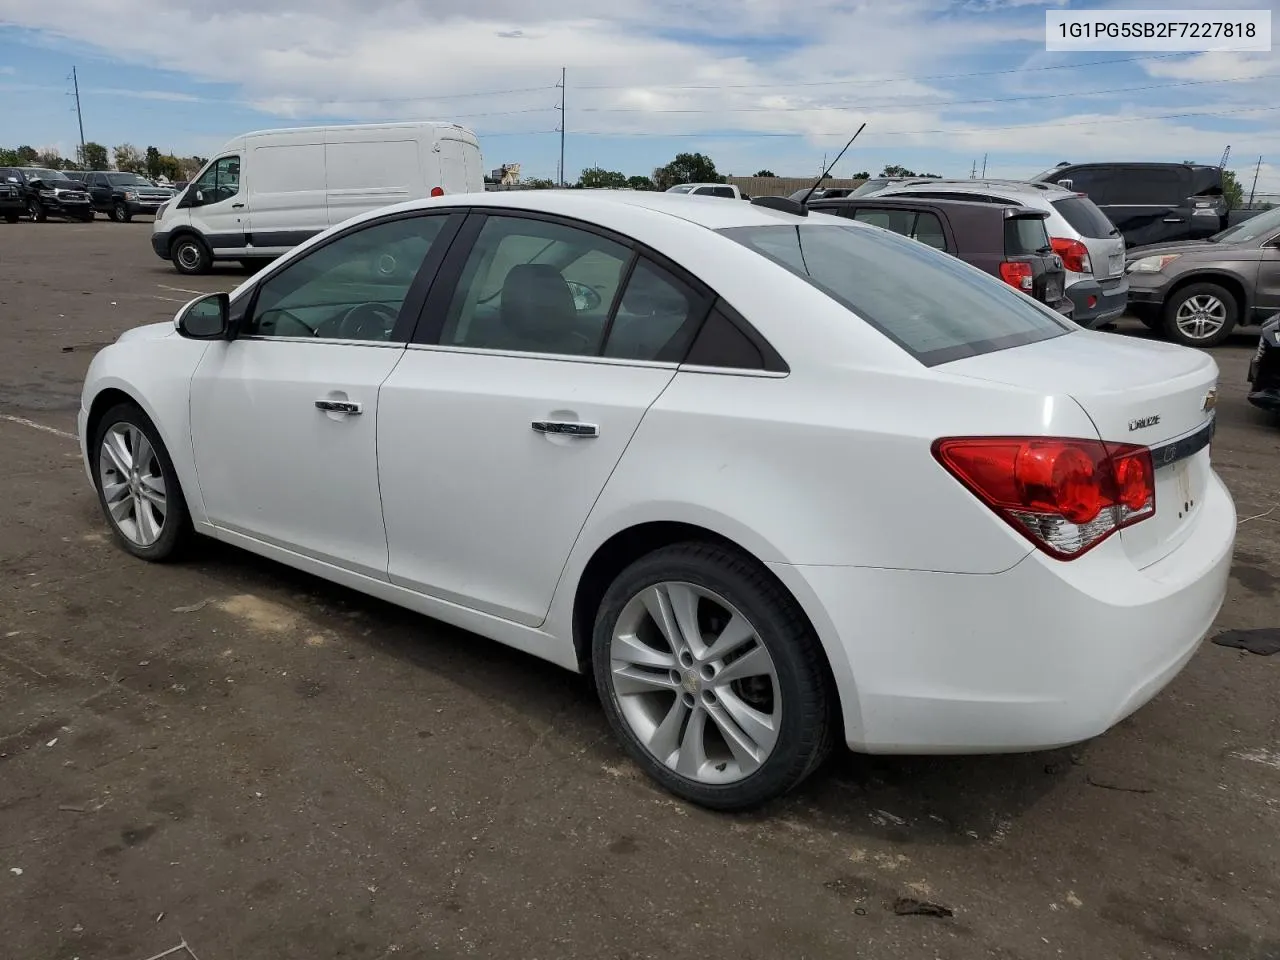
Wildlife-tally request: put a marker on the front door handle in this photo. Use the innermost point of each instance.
(566, 428)
(236, 206)
(1174, 219)
(338, 406)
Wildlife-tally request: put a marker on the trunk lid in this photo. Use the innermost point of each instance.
(1155, 394)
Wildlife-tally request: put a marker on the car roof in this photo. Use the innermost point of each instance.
(909, 198)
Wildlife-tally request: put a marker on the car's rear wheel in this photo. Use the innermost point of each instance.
(36, 211)
(711, 676)
(138, 488)
(87, 216)
(120, 213)
(190, 255)
(1200, 315)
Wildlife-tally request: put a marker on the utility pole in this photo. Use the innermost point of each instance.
(75, 83)
(974, 172)
(562, 126)
(1255, 181)
(984, 166)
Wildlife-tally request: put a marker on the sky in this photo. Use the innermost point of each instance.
(757, 84)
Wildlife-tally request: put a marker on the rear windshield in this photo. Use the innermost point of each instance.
(934, 306)
(1025, 236)
(1085, 217)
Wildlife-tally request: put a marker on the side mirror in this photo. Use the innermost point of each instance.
(207, 318)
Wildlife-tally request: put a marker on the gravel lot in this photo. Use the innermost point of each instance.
(251, 761)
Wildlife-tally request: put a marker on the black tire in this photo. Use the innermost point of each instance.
(808, 725)
(36, 211)
(177, 532)
(120, 213)
(190, 255)
(87, 217)
(1213, 290)
(11, 218)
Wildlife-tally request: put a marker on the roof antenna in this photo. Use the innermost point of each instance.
(827, 172)
(800, 208)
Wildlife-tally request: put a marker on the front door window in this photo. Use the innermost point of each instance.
(221, 181)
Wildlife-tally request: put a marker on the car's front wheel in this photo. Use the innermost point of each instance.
(36, 211)
(10, 218)
(137, 486)
(120, 213)
(712, 677)
(1200, 315)
(190, 255)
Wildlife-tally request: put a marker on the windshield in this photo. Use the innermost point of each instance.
(1261, 225)
(40, 173)
(683, 188)
(871, 186)
(934, 306)
(128, 180)
(1085, 217)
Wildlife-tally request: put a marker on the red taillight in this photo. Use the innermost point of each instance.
(1074, 254)
(437, 191)
(1017, 275)
(1066, 496)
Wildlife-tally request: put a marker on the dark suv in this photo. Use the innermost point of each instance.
(48, 193)
(1009, 242)
(122, 196)
(1151, 202)
(13, 203)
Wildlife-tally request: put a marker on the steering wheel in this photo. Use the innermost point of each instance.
(364, 321)
(281, 312)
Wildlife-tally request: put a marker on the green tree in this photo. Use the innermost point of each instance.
(94, 156)
(598, 177)
(129, 159)
(50, 158)
(538, 183)
(765, 173)
(1231, 190)
(153, 163)
(27, 155)
(862, 176)
(686, 168)
(640, 183)
(8, 157)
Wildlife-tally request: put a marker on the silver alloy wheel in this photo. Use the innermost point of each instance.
(132, 484)
(189, 254)
(1201, 316)
(681, 656)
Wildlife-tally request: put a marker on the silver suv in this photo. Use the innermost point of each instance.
(1091, 248)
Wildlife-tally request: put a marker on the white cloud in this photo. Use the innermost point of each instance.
(7, 71)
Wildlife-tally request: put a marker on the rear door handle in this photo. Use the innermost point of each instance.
(338, 406)
(1174, 219)
(566, 428)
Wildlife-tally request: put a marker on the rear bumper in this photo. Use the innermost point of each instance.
(1096, 302)
(1043, 655)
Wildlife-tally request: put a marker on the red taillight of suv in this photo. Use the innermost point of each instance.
(1017, 274)
(1064, 495)
(1074, 254)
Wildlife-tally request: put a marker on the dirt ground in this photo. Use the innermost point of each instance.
(249, 761)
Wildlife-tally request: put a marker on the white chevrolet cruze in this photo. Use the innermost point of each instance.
(775, 480)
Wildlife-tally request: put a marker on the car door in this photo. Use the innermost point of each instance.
(217, 203)
(95, 183)
(536, 362)
(284, 416)
(1147, 203)
(1267, 295)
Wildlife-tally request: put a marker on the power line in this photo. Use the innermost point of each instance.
(890, 78)
(862, 105)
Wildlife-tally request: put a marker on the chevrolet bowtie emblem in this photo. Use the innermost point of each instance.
(1210, 400)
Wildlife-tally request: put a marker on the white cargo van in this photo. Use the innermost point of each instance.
(268, 191)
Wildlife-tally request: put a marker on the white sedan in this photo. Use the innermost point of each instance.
(775, 480)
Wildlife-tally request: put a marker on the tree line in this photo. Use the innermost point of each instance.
(124, 157)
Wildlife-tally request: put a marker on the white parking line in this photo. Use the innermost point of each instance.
(164, 286)
(156, 296)
(23, 422)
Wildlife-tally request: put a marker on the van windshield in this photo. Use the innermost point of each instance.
(931, 304)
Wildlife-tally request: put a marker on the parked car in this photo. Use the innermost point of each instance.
(727, 190)
(79, 176)
(1007, 242)
(866, 188)
(1264, 370)
(1091, 248)
(1151, 202)
(12, 200)
(266, 192)
(49, 193)
(727, 460)
(1198, 291)
(122, 196)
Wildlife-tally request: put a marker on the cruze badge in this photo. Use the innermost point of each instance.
(1144, 422)
(1210, 400)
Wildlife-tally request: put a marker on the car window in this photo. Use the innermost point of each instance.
(1096, 181)
(934, 306)
(535, 286)
(1085, 217)
(221, 181)
(1025, 236)
(924, 226)
(656, 316)
(349, 289)
(928, 230)
(720, 192)
(1151, 186)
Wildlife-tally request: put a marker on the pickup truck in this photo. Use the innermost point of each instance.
(122, 196)
(48, 193)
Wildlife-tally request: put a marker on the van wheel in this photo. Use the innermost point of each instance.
(1200, 315)
(190, 255)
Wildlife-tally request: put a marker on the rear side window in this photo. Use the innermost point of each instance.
(1150, 186)
(924, 226)
(934, 306)
(1025, 236)
(1085, 217)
